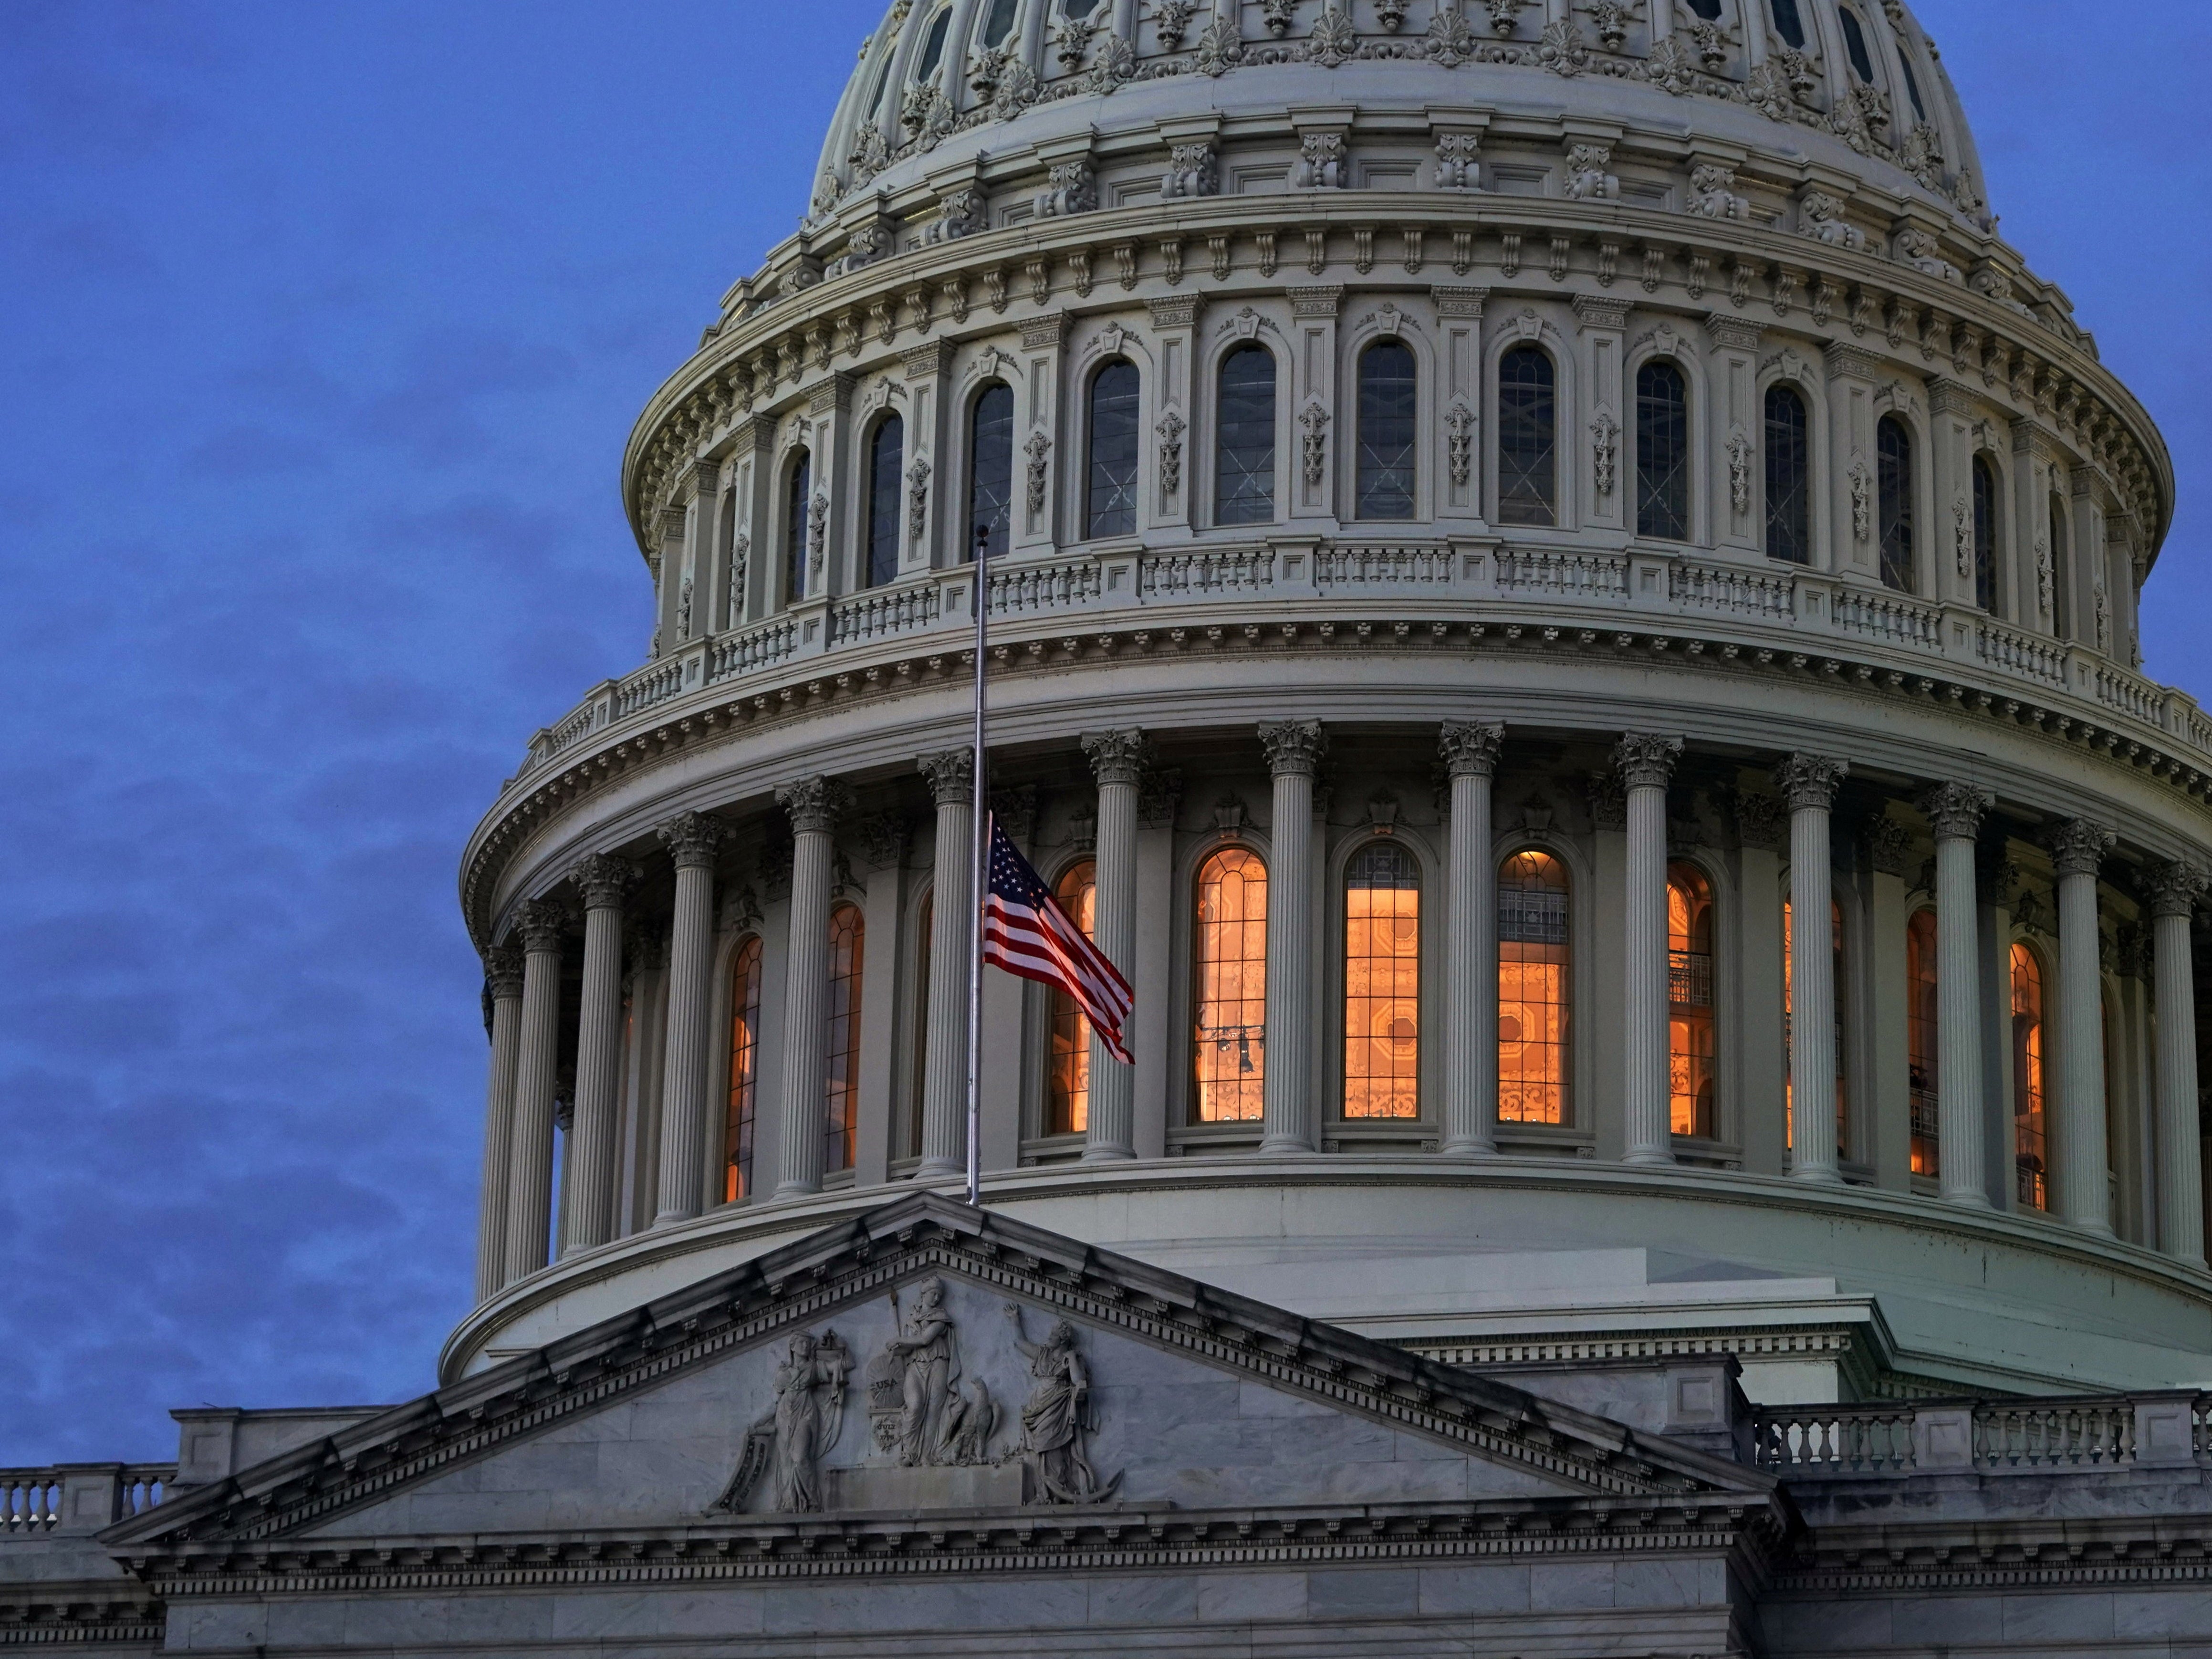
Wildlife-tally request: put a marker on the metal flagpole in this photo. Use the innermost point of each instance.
(981, 819)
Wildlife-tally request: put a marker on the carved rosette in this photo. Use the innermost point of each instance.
(1293, 747)
(692, 839)
(1471, 750)
(1955, 811)
(1645, 760)
(951, 774)
(1115, 757)
(814, 804)
(541, 924)
(2173, 890)
(2077, 847)
(1810, 781)
(604, 880)
(502, 971)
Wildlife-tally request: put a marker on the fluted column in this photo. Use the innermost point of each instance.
(2173, 891)
(1118, 761)
(1954, 811)
(503, 985)
(1294, 752)
(2077, 851)
(814, 804)
(1645, 763)
(951, 776)
(1809, 783)
(692, 839)
(587, 1177)
(529, 1165)
(1470, 1105)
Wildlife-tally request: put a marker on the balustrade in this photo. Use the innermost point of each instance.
(83, 1496)
(1843, 1442)
(1229, 570)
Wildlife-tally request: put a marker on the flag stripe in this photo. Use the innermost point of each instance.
(1028, 933)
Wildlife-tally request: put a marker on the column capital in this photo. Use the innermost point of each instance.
(2077, 847)
(1116, 756)
(1646, 760)
(503, 971)
(951, 774)
(1810, 781)
(1956, 810)
(541, 923)
(692, 839)
(1471, 750)
(2174, 890)
(1294, 747)
(602, 880)
(814, 804)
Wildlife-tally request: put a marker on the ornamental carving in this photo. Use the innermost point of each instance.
(1611, 19)
(1712, 194)
(604, 879)
(2043, 575)
(541, 924)
(1669, 67)
(1820, 216)
(1070, 38)
(1391, 14)
(818, 533)
(1889, 846)
(1955, 811)
(1171, 20)
(741, 551)
(1059, 1418)
(1038, 449)
(1712, 43)
(1071, 187)
(2077, 847)
(1170, 430)
(814, 804)
(1452, 41)
(1738, 457)
(1587, 180)
(1459, 425)
(1862, 500)
(951, 774)
(1605, 450)
(1322, 163)
(1194, 171)
(1810, 781)
(1562, 50)
(1333, 40)
(693, 839)
(1116, 757)
(1315, 420)
(502, 966)
(1761, 821)
(787, 1445)
(1221, 48)
(1504, 14)
(1646, 760)
(963, 213)
(1279, 15)
(1458, 166)
(2172, 890)
(1471, 750)
(1919, 250)
(1293, 748)
(917, 499)
(1608, 802)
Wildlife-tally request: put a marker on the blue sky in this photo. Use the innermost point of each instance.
(323, 328)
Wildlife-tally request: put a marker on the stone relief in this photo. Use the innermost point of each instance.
(789, 1443)
(1171, 20)
(1459, 423)
(1039, 451)
(1587, 180)
(1071, 187)
(1612, 18)
(1315, 420)
(1605, 449)
(1322, 163)
(1457, 163)
(1193, 170)
(1918, 249)
(1058, 1418)
(1712, 195)
(1171, 428)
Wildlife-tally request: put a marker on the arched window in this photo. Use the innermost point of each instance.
(991, 472)
(1708, 10)
(841, 1074)
(745, 1072)
(932, 49)
(1789, 477)
(1078, 9)
(1921, 1036)
(886, 473)
(1854, 43)
(1245, 438)
(1535, 994)
(1528, 452)
(1000, 21)
(1911, 85)
(2062, 570)
(1893, 456)
(1388, 391)
(1787, 24)
(1112, 492)
(798, 508)
(1986, 534)
(2031, 1142)
(1381, 983)
(1067, 1087)
(1690, 1019)
(1663, 453)
(1229, 1038)
(1789, 1024)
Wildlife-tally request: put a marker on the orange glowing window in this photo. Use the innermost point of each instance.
(2033, 1148)
(1690, 1020)
(1382, 983)
(1535, 999)
(842, 1072)
(745, 1072)
(1229, 1038)
(1067, 1088)
(1921, 1037)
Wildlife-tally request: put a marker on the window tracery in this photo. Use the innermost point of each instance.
(1229, 1024)
(1535, 992)
(1381, 983)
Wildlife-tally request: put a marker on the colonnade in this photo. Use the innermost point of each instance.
(525, 984)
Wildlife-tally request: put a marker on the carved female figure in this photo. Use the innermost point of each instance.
(928, 1352)
(1056, 1418)
(806, 1427)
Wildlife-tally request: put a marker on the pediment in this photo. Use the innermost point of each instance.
(927, 1358)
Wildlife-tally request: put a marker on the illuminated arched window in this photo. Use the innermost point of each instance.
(841, 1074)
(1229, 976)
(1389, 392)
(1381, 983)
(1245, 438)
(991, 472)
(1067, 1088)
(1893, 455)
(2031, 1146)
(1690, 1019)
(1528, 437)
(745, 1072)
(1663, 453)
(1789, 477)
(1788, 1025)
(798, 508)
(1534, 995)
(1111, 493)
(1921, 1036)
(886, 477)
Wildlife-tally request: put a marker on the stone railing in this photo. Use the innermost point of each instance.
(1995, 1436)
(79, 1497)
(1804, 614)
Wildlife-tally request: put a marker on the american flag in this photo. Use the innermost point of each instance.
(1026, 932)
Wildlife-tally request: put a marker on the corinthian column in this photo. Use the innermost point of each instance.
(1954, 811)
(1117, 760)
(814, 805)
(1294, 750)
(587, 1176)
(530, 1169)
(2078, 849)
(1809, 783)
(692, 840)
(503, 984)
(1471, 754)
(951, 776)
(2174, 892)
(1645, 763)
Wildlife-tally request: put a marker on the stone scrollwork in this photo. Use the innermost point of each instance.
(1471, 750)
(1646, 760)
(1821, 218)
(1712, 43)
(1587, 180)
(1071, 187)
(1712, 194)
(1612, 18)
(1504, 16)
(2078, 848)
(2175, 890)
(2044, 577)
(1322, 163)
(963, 213)
(1459, 424)
(1740, 457)
(1919, 250)
(1315, 421)
(1391, 14)
(1221, 48)
(818, 535)
(1171, 20)
(1194, 171)
(789, 1445)
(1294, 746)
(917, 499)
(1810, 780)
(693, 839)
(1458, 165)
(1862, 500)
(1059, 1418)
(1955, 809)
(1171, 428)
(604, 880)
(1962, 537)
(1279, 15)
(1334, 39)
(1070, 39)
(1038, 449)
(1605, 450)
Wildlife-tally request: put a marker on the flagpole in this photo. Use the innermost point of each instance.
(980, 817)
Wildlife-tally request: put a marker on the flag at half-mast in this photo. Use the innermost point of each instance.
(1026, 932)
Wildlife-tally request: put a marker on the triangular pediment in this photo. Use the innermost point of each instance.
(928, 1358)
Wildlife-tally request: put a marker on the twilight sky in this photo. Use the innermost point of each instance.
(323, 328)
